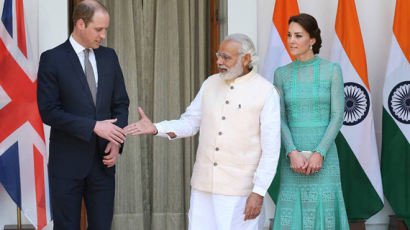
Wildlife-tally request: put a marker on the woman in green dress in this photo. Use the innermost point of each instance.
(312, 106)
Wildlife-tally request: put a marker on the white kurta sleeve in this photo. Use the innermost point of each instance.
(270, 144)
(189, 122)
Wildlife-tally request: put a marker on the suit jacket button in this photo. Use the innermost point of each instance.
(215, 164)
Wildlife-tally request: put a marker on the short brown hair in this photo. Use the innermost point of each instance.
(85, 10)
(309, 23)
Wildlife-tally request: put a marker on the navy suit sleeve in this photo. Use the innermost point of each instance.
(49, 103)
(120, 101)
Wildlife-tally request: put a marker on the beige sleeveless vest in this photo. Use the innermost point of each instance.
(229, 142)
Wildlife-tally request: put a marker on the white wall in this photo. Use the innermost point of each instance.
(53, 30)
(376, 21)
(53, 23)
(241, 18)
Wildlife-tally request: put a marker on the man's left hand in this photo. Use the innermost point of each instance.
(253, 206)
(113, 150)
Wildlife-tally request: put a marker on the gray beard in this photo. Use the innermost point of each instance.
(233, 72)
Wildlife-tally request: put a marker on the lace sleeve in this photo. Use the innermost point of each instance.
(287, 139)
(337, 104)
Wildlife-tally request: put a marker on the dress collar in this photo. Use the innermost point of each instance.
(308, 62)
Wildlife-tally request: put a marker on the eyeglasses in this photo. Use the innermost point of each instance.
(224, 56)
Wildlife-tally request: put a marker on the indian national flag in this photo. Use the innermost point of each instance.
(278, 51)
(278, 55)
(356, 142)
(396, 116)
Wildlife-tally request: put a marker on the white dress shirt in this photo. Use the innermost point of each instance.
(79, 50)
(189, 122)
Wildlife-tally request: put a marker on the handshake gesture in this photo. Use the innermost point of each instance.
(108, 130)
(115, 135)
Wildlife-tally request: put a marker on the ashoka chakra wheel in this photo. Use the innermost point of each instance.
(357, 103)
(399, 102)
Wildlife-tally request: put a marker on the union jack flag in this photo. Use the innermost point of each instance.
(23, 156)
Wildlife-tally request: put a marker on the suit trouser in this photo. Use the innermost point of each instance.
(98, 190)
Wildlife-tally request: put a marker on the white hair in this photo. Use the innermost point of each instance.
(247, 47)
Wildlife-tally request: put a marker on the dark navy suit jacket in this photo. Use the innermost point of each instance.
(65, 104)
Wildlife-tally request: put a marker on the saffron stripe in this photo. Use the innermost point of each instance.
(401, 28)
(284, 9)
(348, 30)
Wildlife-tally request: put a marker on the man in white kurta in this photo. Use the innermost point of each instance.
(237, 114)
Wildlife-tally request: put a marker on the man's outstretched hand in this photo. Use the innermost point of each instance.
(143, 126)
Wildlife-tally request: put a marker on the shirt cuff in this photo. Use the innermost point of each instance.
(162, 131)
(259, 190)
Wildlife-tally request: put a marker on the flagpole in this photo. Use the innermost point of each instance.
(19, 226)
(18, 217)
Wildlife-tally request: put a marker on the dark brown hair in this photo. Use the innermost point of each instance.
(85, 10)
(309, 23)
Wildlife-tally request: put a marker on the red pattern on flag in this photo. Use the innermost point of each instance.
(22, 137)
(21, 29)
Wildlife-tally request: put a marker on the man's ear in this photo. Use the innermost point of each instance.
(246, 59)
(80, 24)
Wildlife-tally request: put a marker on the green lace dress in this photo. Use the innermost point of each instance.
(312, 105)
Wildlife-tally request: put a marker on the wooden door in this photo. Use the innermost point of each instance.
(214, 33)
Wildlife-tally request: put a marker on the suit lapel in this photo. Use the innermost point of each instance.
(79, 72)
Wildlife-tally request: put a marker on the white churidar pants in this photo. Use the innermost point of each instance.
(219, 212)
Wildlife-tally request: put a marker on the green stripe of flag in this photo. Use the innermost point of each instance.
(273, 190)
(396, 167)
(361, 199)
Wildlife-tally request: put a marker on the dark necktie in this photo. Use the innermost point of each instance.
(89, 73)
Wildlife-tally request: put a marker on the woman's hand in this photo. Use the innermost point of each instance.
(314, 163)
(298, 163)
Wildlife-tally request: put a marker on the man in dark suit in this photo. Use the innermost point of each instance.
(82, 96)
